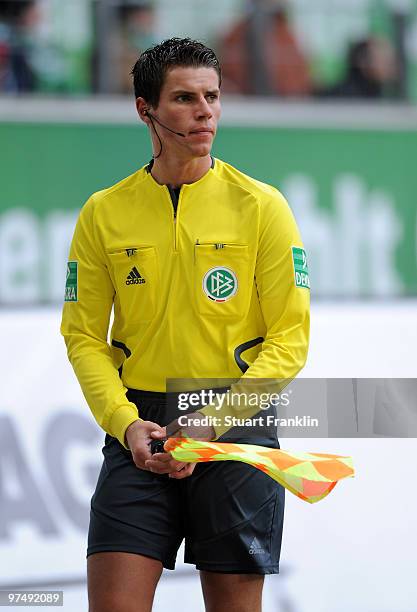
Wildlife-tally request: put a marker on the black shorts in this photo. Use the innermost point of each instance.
(230, 514)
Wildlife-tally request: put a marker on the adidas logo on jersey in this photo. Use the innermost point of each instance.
(134, 278)
(256, 548)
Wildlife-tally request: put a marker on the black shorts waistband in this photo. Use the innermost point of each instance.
(159, 397)
(163, 408)
(160, 407)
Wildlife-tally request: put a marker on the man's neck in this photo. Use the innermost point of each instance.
(177, 172)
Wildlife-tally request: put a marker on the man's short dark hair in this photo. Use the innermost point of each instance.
(150, 69)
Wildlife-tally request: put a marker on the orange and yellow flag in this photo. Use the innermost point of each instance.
(310, 476)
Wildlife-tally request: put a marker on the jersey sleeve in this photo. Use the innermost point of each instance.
(283, 287)
(88, 303)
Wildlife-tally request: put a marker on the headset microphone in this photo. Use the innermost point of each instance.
(146, 112)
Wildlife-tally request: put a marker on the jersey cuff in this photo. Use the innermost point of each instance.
(120, 421)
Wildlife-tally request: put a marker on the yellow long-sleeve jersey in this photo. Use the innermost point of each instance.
(218, 290)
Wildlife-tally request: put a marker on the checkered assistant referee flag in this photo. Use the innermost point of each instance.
(310, 476)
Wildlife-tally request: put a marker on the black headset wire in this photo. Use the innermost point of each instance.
(160, 141)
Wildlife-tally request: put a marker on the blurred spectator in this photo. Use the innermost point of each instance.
(4, 54)
(22, 49)
(372, 71)
(261, 56)
(136, 33)
(18, 44)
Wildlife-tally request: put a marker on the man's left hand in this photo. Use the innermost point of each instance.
(192, 429)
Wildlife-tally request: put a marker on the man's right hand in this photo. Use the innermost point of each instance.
(138, 438)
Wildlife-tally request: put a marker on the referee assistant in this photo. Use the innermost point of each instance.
(207, 275)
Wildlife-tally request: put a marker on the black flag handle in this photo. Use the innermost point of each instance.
(157, 446)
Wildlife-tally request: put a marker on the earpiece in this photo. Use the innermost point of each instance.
(152, 118)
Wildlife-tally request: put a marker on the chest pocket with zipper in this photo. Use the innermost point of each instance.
(222, 286)
(135, 274)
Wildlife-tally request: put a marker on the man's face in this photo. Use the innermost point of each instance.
(189, 103)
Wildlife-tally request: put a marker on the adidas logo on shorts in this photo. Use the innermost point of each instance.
(134, 278)
(256, 548)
